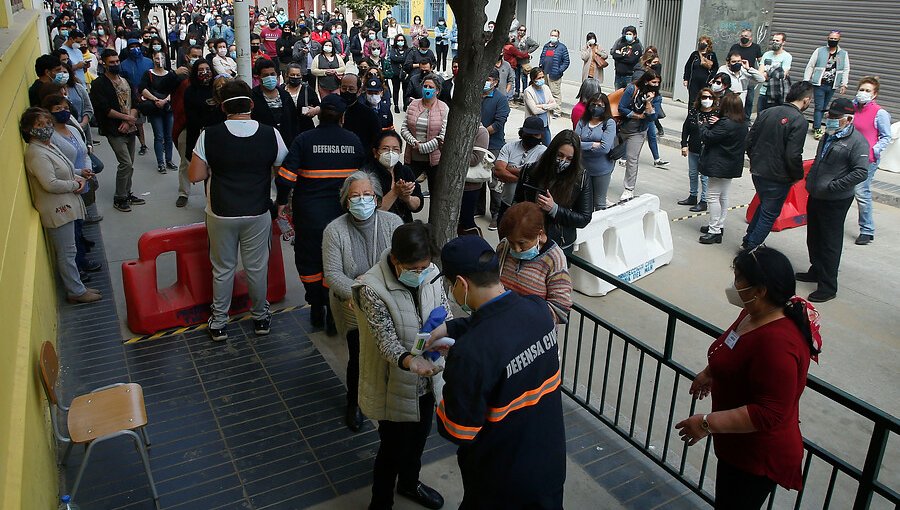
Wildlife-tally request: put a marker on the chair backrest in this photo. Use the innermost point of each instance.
(48, 367)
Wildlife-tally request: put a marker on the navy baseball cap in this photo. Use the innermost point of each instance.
(533, 126)
(374, 85)
(334, 103)
(467, 255)
(132, 40)
(841, 106)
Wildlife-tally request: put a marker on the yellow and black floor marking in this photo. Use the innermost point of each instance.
(689, 216)
(197, 327)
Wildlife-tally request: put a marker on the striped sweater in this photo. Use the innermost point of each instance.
(546, 276)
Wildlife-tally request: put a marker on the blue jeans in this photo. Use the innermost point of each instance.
(863, 193)
(771, 198)
(521, 79)
(763, 103)
(622, 81)
(694, 176)
(652, 141)
(162, 136)
(822, 95)
(547, 136)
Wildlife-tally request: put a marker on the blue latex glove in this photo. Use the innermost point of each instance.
(435, 319)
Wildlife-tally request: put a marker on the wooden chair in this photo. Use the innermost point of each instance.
(104, 413)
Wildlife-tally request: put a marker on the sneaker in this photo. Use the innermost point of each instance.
(171, 166)
(493, 225)
(864, 239)
(621, 162)
(660, 162)
(87, 297)
(817, 133)
(262, 326)
(133, 200)
(90, 220)
(626, 195)
(143, 150)
(121, 205)
(181, 202)
(216, 334)
(161, 169)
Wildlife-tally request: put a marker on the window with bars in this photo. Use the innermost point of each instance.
(17, 5)
(400, 12)
(435, 10)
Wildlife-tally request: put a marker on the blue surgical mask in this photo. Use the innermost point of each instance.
(629, 38)
(362, 207)
(412, 278)
(136, 53)
(528, 254)
(539, 82)
(233, 54)
(488, 85)
(554, 39)
(832, 126)
(61, 78)
(428, 92)
(269, 82)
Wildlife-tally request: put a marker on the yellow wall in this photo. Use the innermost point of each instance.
(28, 474)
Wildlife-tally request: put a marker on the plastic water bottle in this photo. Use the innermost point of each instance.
(65, 503)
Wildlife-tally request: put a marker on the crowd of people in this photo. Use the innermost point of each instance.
(317, 123)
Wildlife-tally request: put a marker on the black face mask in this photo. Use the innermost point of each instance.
(597, 111)
(295, 81)
(745, 40)
(349, 97)
(735, 67)
(113, 69)
(254, 47)
(529, 141)
(832, 44)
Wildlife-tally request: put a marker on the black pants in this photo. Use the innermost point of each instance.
(467, 208)
(399, 457)
(396, 83)
(353, 367)
(739, 490)
(442, 50)
(825, 239)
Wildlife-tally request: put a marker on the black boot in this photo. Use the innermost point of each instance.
(711, 238)
(690, 200)
(700, 207)
(317, 316)
(354, 418)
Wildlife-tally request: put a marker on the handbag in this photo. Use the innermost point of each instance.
(484, 170)
(96, 163)
(599, 61)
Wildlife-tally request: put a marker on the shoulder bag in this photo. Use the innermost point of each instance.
(483, 171)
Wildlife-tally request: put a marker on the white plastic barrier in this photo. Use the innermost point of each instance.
(630, 240)
(890, 158)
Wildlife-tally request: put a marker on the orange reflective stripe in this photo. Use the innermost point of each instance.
(456, 430)
(334, 173)
(529, 398)
(287, 174)
(312, 278)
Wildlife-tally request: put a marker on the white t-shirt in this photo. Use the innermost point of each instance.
(783, 61)
(242, 129)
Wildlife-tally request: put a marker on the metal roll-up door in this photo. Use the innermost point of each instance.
(868, 32)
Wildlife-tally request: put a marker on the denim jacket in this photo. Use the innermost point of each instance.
(815, 68)
(626, 105)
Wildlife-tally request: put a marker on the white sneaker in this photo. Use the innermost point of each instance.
(621, 162)
(627, 195)
(660, 162)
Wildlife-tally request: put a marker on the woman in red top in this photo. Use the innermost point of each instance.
(756, 374)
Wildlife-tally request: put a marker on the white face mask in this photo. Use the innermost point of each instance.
(222, 51)
(373, 99)
(592, 42)
(734, 296)
(717, 87)
(389, 158)
(863, 97)
(706, 103)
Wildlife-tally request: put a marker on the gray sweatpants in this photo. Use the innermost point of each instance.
(253, 237)
(634, 142)
(62, 239)
(123, 148)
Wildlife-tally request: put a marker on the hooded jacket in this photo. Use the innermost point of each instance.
(842, 162)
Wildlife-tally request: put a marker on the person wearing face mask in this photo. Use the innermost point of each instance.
(304, 97)
(284, 46)
(494, 114)
(381, 105)
(320, 35)
(756, 372)
(272, 105)
(828, 70)
(327, 67)
(360, 118)
(594, 57)
(554, 61)
(417, 31)
(720, 84)
(743, 77)
(775, 66)
(222, 63)
(423, 129)
(539, 101)
(531, 264)
(506, 416)
(597, 130)
(626, 51)
(404, 195)
(700, 66)
(396, 60)
(874, 123)
(516, 155)
(156, 87)
(842, 162)
(558, 184)
(133, 68)
(639, 107)
(442, 44)
(650, 61)
(317, 164)
(222, 31)
(194, 110)
(699, 113)
(256, 54)
(724, 141)
(269, 35)
(72, 47)
(750, 53)
(351, 245)
(399, 388)
(237, 159)
(305, 50)
(340, 40)
(775, 148)
(48, 69)
(55, 193)
(418, 58)
(373, 44)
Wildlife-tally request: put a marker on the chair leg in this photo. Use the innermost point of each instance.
(66, 455)
(143, 451)
(84, 463)
(145, 436)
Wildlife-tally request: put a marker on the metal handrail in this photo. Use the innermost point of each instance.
(884, 423)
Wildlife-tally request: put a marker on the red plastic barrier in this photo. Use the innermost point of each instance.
(793, 212)
(186, 301)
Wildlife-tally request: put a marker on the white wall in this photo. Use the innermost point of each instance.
(687, 38)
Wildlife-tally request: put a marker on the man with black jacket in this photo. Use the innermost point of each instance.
(501, 401)
(842, 162)
(626, 51)
(775, 147)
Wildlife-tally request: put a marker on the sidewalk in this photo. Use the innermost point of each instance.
(885, 186)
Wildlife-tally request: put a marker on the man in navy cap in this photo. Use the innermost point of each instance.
(359, 119)
(382, 107)
(842, 162)
(501, 401)
(315, 168)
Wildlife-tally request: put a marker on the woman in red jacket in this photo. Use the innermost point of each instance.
(756, 373)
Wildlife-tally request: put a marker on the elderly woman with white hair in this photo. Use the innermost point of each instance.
(351, 245)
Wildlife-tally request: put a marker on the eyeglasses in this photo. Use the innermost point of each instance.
(706, 97)
(357, 196)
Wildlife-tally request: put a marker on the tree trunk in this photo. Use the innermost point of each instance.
(475, 61)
